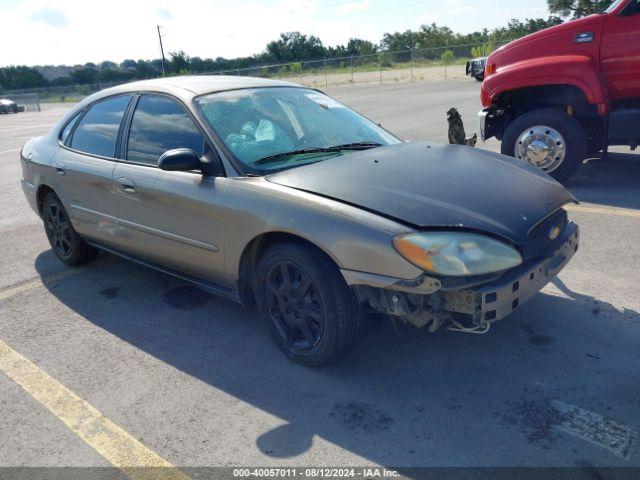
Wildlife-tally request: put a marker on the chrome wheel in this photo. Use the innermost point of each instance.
(59, 229)
(295, 306)
(541, 146)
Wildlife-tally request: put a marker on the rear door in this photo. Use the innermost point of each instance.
(620, 52)
(169, 218)
(83, 168)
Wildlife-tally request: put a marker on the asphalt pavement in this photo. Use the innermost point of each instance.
(195, 379)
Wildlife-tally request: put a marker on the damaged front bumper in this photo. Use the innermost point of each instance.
(430, 302)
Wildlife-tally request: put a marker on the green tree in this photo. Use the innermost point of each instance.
(577, 8)
(482, 50)
(447, 57)
(16, 77)
(294, 46)
(179, 62)
(358, 47)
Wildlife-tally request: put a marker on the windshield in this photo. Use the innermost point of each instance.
(270, 129)
(613, 6)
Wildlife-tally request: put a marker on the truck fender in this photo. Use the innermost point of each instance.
(575, 70)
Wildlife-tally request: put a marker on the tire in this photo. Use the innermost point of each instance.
(64, 240)
(479, 78)
(569, 128)
(334, 319)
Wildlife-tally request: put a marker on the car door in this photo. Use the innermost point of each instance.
(620, 52)
(83, 168)
(169, 218)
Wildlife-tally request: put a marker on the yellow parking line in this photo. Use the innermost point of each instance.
(35, 283)
(618, 212)
(108, 439)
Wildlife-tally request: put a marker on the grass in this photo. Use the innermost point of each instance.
(368, 67)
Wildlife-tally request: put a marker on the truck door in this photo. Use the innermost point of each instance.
(620, 52)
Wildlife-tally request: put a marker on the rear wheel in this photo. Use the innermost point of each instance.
(309, 310)
(64, 240)
(549, 139)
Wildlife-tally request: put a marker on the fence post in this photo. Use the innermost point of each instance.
(412, 64)
(324, 68)
(380, 63)
(446, 61)
(352, 82)
(301, 68)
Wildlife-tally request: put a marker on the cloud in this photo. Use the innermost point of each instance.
(165, 14)
(353, 7)
(51, 17)
(296, 7)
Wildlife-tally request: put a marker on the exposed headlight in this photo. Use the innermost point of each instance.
(457, 254)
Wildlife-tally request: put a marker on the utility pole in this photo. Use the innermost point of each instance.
(161, 50)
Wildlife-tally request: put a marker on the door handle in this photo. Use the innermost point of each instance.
(127, 185)
(60, 170)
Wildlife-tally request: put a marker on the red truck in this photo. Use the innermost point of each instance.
(562, 94)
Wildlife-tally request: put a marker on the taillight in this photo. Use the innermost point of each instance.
(490, 69)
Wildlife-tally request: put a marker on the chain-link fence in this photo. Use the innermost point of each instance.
(29, 102)
(446, 62)
(427, 64)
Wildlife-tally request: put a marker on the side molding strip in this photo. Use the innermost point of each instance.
(150, 230)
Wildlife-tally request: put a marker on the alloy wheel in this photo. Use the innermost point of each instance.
(59, 229)
(295, 306)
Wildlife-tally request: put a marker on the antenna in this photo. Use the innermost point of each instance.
(161, 50)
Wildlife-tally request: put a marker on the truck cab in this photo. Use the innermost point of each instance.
(568, 92)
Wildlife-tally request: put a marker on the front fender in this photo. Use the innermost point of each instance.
(353, 238)
(574, 70)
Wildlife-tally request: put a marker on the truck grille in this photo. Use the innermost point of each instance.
(540, 239)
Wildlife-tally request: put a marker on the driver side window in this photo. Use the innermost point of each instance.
(160, 124)
(632, 9)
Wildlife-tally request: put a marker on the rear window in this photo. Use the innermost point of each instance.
(97, 132)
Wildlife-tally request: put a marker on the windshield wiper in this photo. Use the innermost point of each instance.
(312, 150)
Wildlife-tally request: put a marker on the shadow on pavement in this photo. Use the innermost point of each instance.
(614, 182)
(400, 400)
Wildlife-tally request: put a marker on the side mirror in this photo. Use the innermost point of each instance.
(179, 160)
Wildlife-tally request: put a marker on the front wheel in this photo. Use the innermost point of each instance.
(309, 310)
(549, 139)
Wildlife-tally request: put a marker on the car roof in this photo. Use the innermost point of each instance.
(188, 87)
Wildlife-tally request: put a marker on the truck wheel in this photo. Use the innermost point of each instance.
(64, 240)
(548, 139)
(479, 78)
(309, 310)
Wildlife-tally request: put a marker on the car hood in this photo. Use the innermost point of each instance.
(437, 186)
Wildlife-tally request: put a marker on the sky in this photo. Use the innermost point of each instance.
(68, 32)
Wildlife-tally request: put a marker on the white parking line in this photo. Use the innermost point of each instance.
(9, 151)
(23, 127)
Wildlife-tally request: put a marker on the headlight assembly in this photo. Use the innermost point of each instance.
(457, 254)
